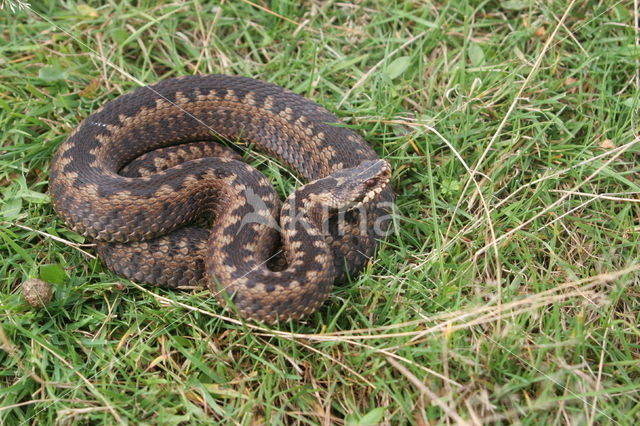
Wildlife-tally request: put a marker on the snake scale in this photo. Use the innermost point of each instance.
(136, 175)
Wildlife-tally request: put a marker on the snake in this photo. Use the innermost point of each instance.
(151, 178)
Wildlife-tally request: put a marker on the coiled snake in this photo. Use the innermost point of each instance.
(136, 174)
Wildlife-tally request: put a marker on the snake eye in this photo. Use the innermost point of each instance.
(370, 183)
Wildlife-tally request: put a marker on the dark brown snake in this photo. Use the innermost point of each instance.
(136, 174)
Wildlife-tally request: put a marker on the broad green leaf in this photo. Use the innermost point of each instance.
(476, 54)
(373, 417)
(119, 35)
(397, 67)
(11, 209)
(514, 4)
(53, 273)
(52, 73)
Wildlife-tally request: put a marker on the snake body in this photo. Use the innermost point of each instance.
(135, 175)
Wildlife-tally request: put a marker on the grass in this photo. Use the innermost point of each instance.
(507, 293)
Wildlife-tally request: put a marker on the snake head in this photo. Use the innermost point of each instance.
(350, 188)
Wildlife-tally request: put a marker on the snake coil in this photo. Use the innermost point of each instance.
(137, 173)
